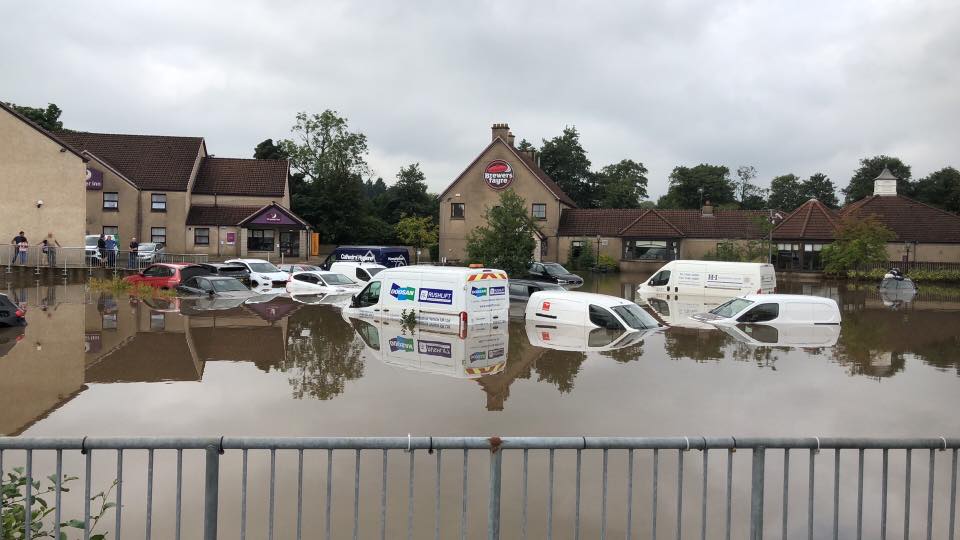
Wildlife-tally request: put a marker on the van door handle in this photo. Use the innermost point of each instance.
(386, 310)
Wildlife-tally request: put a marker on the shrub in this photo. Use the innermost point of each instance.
(607, 263)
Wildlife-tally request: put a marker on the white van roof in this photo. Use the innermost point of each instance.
(450, 270)
(357, 263)
(784, 298)
(602, 300)
(721, 263)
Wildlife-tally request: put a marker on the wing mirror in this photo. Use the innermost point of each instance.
(210, 293)
(354, 302)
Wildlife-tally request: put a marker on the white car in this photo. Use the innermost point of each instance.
(263, 274)
(360, 271)
(588, 309)
(774, 309)
(314, 282)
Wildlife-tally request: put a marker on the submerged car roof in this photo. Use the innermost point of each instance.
(601, 299)
(786, 298)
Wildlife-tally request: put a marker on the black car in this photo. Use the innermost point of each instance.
(555, 273)
(521, 289)
(10, 313)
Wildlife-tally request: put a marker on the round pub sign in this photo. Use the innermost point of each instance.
(498, 174)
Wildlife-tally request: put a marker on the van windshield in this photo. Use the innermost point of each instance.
(731, 307)
(635, 316)
(373, 271)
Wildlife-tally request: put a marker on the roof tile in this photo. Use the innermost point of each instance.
(252, 177)
(612, 222)
(910, 220)
(201, 214)
(813, 220)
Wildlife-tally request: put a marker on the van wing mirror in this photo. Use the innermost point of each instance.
(354, 302)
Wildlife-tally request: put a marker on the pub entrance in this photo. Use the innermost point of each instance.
(290, 243)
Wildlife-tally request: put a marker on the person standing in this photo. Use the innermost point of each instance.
(111, 247)
(50, 245)
(17, 240)
(102, 249)
(132, 262)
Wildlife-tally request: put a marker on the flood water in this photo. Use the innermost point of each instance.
(93, 364)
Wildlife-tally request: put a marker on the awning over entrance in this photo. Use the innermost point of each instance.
(274, 215)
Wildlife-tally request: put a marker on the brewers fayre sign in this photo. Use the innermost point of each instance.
(498, 174)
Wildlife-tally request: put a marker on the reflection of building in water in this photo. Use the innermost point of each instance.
(41, 365)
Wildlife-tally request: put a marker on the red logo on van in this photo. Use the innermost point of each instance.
(498, 174)
(546, 306)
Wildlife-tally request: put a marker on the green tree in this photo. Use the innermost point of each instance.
(691, 187)
(332, 161)
(820, 187)
(940, 189)
(565, 160)
(323, 354)
(786, 193)
(525, 146)
(373, 189)
(506, 241)
(48, 118)
(622, 185)
(751, 196)
(268, 150)
(859, 241)
(408, 197)
(861, 184)
(417, 231)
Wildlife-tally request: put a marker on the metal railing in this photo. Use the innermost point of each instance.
(64, 258)
(211, 501)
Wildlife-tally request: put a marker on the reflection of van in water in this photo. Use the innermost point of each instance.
(389, 256)
(711, 278)
(482, 352)
(790, 335)
(568, 337)
(444, 297)
(677, 310)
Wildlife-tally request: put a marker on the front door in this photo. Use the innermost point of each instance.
(290, 243)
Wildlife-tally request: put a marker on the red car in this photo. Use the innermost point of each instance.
(161, 275)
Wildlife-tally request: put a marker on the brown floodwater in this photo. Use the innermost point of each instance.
(97, 364)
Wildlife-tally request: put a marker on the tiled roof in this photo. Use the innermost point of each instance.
(545, 178)
(662, 224)
(910, 220)
(152, 162)
(16, 114)
(813, 220)
(201, 214)
(253, 177)
(651, 223)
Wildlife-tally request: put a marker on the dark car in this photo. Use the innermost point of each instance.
(10, 314)
(521, 289)
(238, 271)
(213, 285)
(554, 273)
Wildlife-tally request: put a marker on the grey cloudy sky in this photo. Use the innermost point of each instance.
(785, 86)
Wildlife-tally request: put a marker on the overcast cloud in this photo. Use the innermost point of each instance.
(785, 86)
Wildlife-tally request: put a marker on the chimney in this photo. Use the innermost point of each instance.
(885, 184)
(707, 209)
(510, 138)
(502, 131)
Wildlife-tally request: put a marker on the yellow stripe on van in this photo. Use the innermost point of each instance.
(488, 370)
(487, 275)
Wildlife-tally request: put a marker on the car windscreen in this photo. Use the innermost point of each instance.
(337, 279)
(373, 271)
(147, 247)
(91, 241)
(635, 316)
(227, 285)
(731, 307)
(263, 267)
(555, 269)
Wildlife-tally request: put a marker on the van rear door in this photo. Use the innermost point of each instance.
(487, 297)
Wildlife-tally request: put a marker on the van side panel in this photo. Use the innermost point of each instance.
(686, 278)
(558, 310)
(487, 298)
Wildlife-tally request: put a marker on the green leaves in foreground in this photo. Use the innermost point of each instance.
(13, 507)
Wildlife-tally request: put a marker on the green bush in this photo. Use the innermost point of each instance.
(14, 520)
(607, 263)
(583, 261)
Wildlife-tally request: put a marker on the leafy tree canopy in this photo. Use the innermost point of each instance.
(506, 242)
(48, 118)
(268, 150)
(407, 197)
(417, 231)
(860, 241)
(565, 160)
(861, 184)
(622, 185)
(690, 187)
(821, 188)
(940, 189)
(786, 193)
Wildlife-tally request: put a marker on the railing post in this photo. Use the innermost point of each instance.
(756, 495)
(493, 512)
(211, 497)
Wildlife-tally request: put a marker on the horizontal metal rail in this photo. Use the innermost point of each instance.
(759, 449)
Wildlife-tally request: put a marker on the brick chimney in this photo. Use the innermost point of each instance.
(885, 183)
(502, 131)
(707, 209)
(510, 138)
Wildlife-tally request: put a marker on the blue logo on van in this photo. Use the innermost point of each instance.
(436, 296)
(498, 291)
(401, 344)
(478, 356)
(479, 292)
(435, 348)
(403, 293)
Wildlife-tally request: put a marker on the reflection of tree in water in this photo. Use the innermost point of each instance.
(695, 344)
(625, 354)
(759, 355)
(559, 368)
(320, 363)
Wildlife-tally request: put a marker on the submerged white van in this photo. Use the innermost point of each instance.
(568, 337)
(588, 309)
(774, 309)
(442, 297)
(711, 278)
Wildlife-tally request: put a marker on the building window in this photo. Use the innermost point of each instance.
(158, 202)
(260, 240)
(158, 235)
(649, 250)
(456, 210)
(539, 211)
(113, 231)
(576, 247)
(811, 257)
(201, 236)
(111, 201)
(788, 256)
